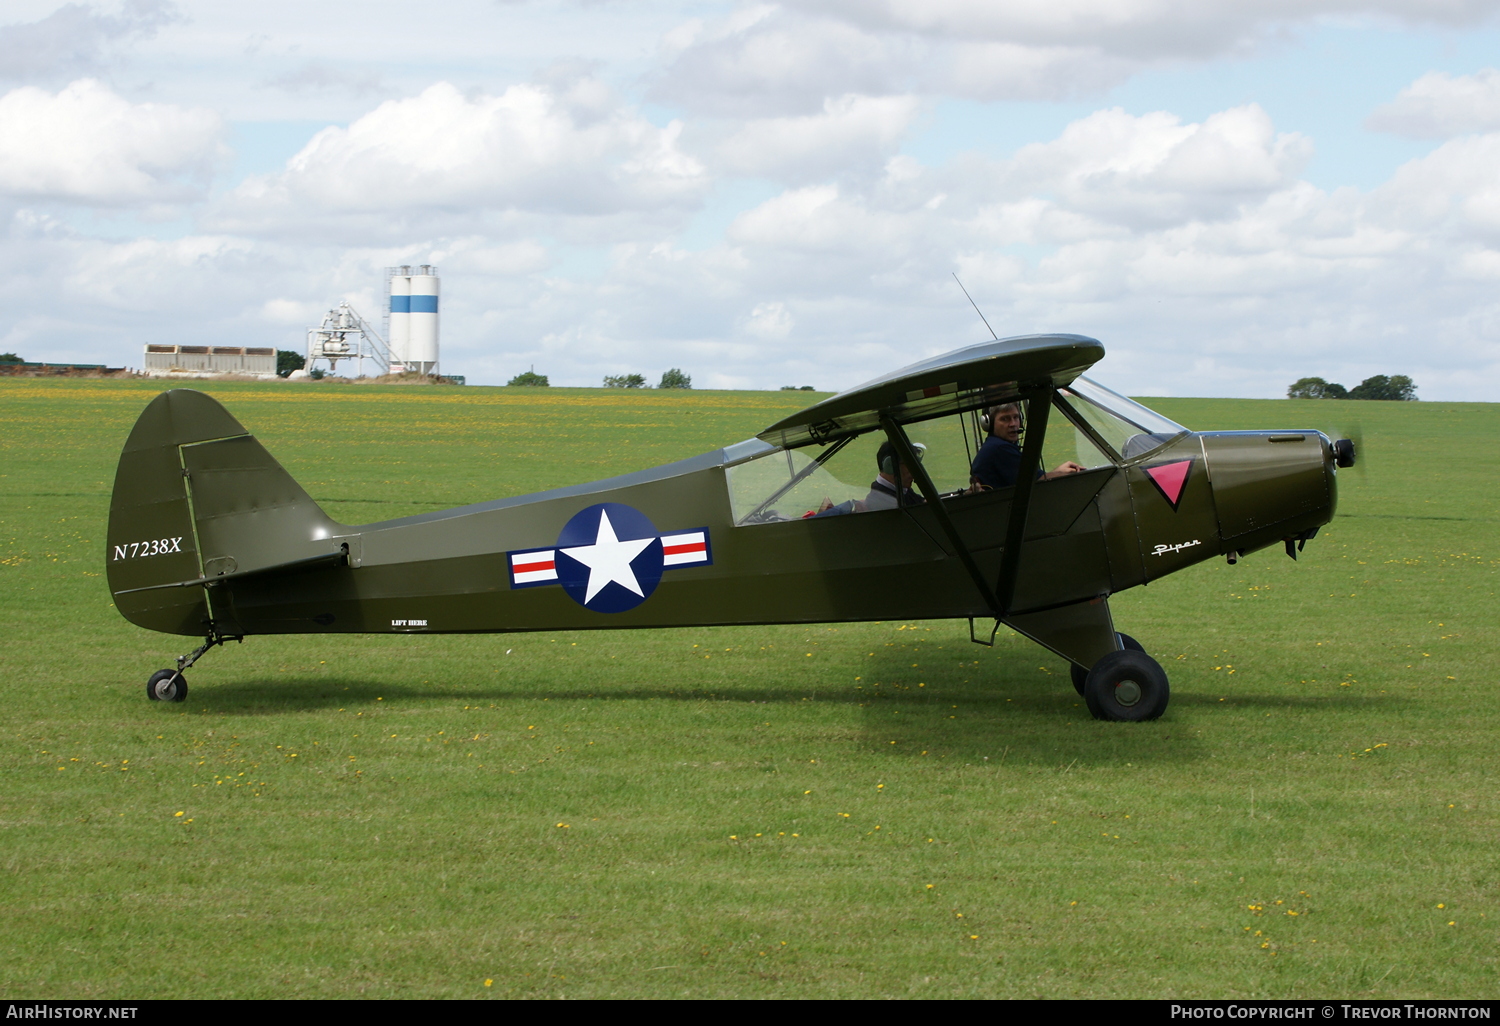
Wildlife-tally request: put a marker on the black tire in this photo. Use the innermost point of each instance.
(167, 686)
(1080, 674)
(1128, 686)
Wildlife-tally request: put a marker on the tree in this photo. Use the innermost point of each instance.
(625, 381)
(674, 378)
(10, 358)
(1398, 387)
(1316, 388)
(797, 388)
(317, 373)
(1404, 388)
(288, 361)
(531, 378)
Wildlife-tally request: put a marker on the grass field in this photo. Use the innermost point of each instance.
(851, 811)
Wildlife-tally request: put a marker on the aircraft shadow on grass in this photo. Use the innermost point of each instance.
(1010, 719)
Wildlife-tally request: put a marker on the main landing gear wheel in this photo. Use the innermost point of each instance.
(1080, 674)
(1126, 685)
(167, 686)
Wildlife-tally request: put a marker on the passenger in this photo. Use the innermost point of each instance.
(883, 493)
(998, 462)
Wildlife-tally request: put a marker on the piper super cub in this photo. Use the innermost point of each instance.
(209, 536)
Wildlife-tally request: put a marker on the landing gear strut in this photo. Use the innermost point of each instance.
(171, 685)
(1124, 685)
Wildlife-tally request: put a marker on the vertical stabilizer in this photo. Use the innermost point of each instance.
(197, 498)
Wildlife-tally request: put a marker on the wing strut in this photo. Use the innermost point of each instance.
(935, 502)
(1039, 402)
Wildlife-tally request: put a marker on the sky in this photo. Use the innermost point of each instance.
(1229, 196)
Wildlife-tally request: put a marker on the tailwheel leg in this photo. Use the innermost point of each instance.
(171, 685)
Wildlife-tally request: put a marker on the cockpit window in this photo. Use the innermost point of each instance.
(1130, 428)
(790, 484)
(779, 485)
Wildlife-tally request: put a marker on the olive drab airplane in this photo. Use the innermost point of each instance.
(209, 536)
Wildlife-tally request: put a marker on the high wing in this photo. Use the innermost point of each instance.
(989, 373)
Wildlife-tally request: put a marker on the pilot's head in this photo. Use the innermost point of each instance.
(1005, 421)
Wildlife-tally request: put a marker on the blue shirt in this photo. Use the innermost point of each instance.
(998, 463)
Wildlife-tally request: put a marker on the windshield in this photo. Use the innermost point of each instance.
(1130, 428)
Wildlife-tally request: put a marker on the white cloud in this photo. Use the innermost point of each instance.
(320, 76)
(75, 38)
(535, 149)
(788, 57)
(783, 63)
(1008, 70)
(1153, 169)
(851, 132)
(770, 320)
(1143, 28)
(1439, 106)
(87, 145)
(293, 312)
(1453, 191)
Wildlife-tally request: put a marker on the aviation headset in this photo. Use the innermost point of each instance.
(987, 418)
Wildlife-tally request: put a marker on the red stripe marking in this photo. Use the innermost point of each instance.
(674, 550)
(928, 393)
(526, 568)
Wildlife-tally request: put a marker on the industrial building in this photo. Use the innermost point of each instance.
(161, 360)
(410, 345)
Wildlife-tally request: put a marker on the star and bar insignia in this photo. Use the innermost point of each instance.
(609, 558)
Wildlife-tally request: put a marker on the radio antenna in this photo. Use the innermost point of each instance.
(976, 307)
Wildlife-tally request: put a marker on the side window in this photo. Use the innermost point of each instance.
(789, 484)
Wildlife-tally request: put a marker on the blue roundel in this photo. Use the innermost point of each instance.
(609, 558)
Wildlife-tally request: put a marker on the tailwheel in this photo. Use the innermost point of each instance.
(1080, 674)
(1126, 685)
(167, 686)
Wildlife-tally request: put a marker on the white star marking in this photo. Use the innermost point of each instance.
(608, 559)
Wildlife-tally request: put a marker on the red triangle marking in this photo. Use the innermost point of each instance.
(1170, 478)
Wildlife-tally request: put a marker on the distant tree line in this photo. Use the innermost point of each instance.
(797, 388)
(1398, 387)
(672, 378)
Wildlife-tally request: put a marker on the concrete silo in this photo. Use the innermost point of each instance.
(399, 333)
(414, 318)
(422, 345)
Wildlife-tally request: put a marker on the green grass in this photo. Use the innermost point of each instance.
(862, 810)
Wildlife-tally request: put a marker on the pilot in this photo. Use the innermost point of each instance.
(998, 462)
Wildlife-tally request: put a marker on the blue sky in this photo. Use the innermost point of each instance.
(1229, 197)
